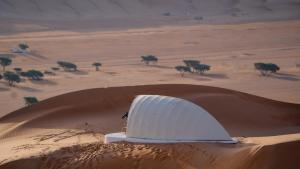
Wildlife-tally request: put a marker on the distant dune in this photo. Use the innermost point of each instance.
(44, 127)
(139, 13)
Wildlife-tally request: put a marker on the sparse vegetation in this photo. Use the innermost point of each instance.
(67, 66)
(183, 69)
(266, 68)
(5, 61)
(97, 65)
(23, 46)
(191, 64)
(149, 59)
(30, 100)
(11, 77)
(34, 74)
(201, 68)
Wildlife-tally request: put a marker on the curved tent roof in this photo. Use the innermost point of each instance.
(154, 118)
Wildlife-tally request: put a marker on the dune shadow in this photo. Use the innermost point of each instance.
(43, 82)
(285, 76)
(216, 75)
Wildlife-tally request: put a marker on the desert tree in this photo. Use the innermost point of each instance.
(23, 46)
(201, 68)
(30, 100)
(5, 61)
(191, 64)
(34, 74)
(11, 77)
(266, 68)
(183, 69)
(97, 65)
(67, 66)
(149, 59)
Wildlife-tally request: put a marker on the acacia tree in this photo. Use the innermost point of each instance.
(183, 69)
(97, 65)
(191, 64)
(11, 77)
(266, 68)
(149, 59)
(201, 68)
(34, 74)
(67, 66)
(5, 61)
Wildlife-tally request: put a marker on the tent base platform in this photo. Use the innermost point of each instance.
(119, 137)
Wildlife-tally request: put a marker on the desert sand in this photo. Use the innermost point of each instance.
(76, 109)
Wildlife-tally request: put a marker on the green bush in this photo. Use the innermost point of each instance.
(11, 77)
(266, 68)
(34, 74)
(67, 66)
(149, 59)
(183, 69)
(191, 63)
(30, 100)
(201, 68)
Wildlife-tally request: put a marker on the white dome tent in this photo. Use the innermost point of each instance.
(163, 119)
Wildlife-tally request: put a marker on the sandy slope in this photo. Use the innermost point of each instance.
(39, 130)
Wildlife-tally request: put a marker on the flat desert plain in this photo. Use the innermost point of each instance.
(76, 109)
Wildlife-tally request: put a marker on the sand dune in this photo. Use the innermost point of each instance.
(250, 118)
(33, 15)
(75, 9)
